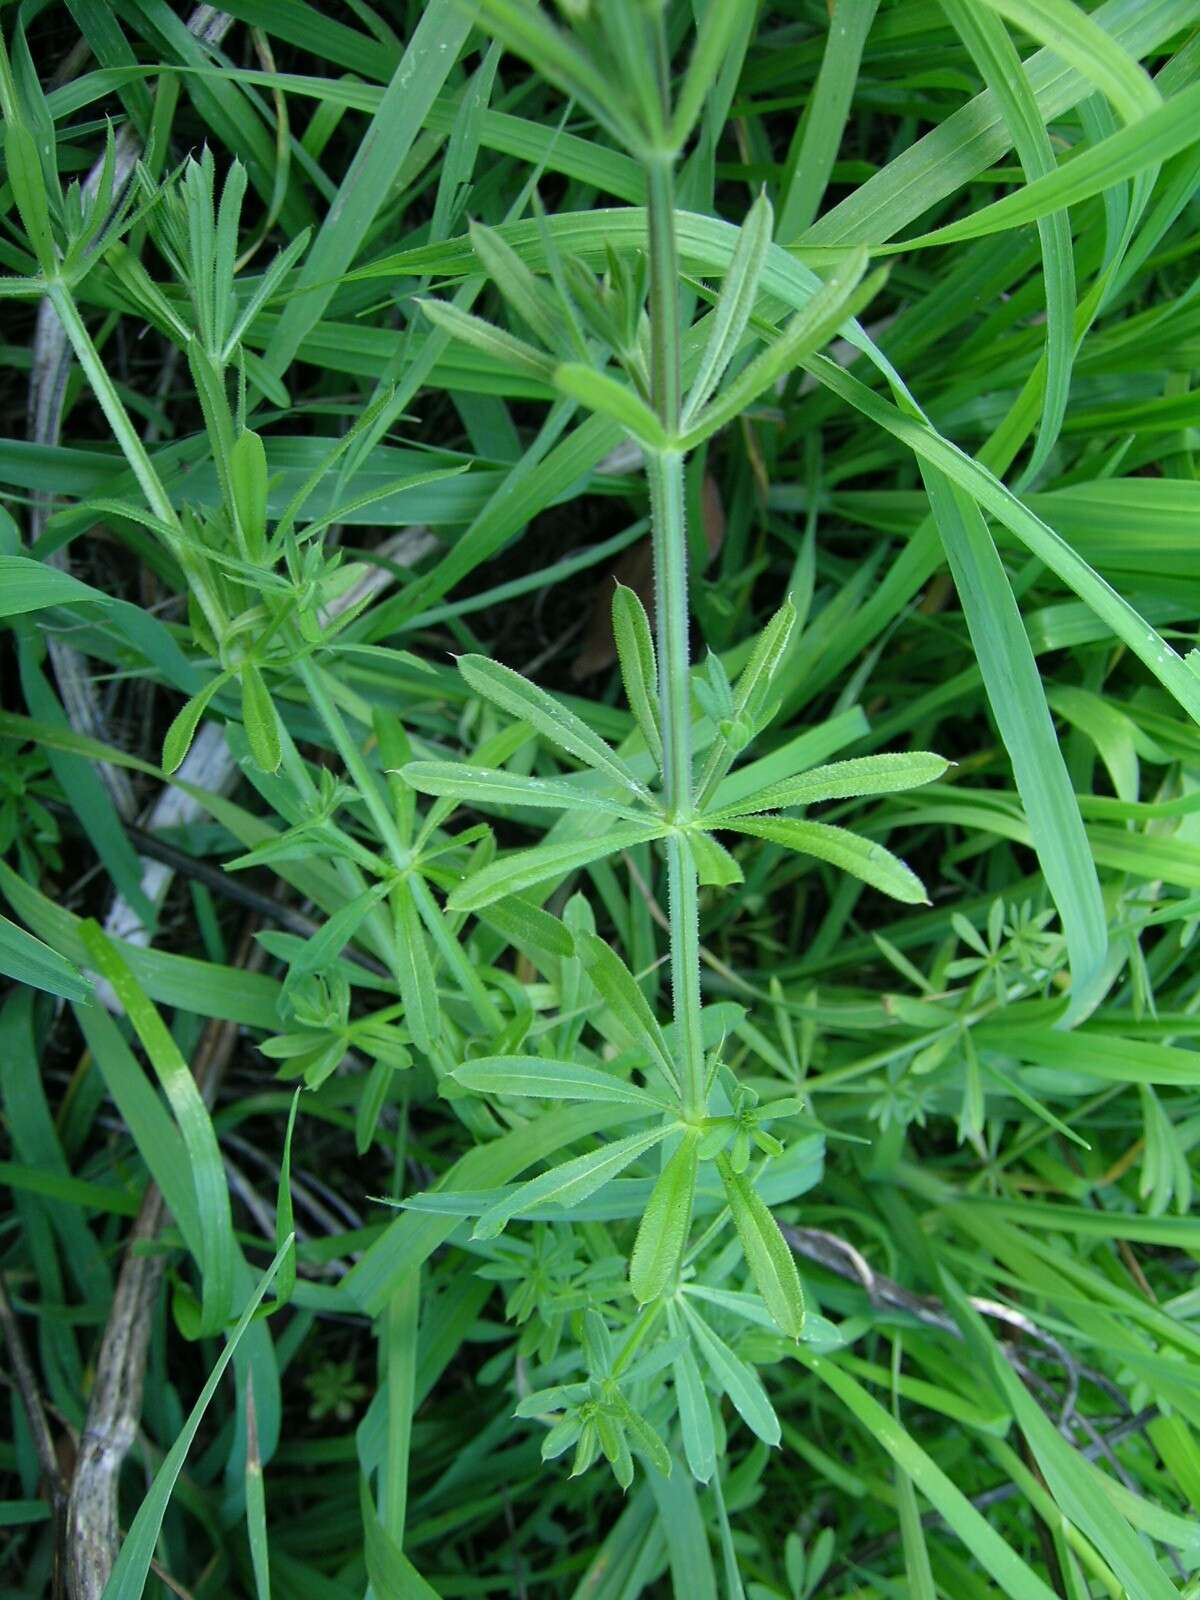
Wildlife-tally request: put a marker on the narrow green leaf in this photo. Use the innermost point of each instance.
(739, 292)
(639, 666)
(514, 873)
(414, 969)
(993, 1552)
(1175, 675)
(260, 718)
(849, 852)
(29, 191)
(179, 736)
(569, 1183)
(285, 1227)
(429, 59)
(841, 780)
(27, 960)
(1076, 1486)
(841, 296)
(996, 56)
(132, 1568)
(1083, 42)
(493, 786)
(218, 1251)
(248, 481)
(767, 1253)
(28, 585)
(526, 29)
(1151, 140)
(609, 397)
(718, 26)
(492, 341)
(1018, 702)
(714, 865)
(739, 1381)
(818, 136)
(324, 947)
(521, 698)
(523, 923)
(664, 1226)
(617, 985)
(695, 1411)
(533, 301)
(542, 1079)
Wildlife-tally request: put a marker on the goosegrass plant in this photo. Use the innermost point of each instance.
(504, 1047)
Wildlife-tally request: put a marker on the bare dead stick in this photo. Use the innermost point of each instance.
(35, 1415)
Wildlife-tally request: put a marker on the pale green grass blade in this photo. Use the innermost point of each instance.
(1018, 703)
(129, 1575)
(1014, 1576)
(970, 140)
(815, 143)
(428, 59)
(202, 1153)
(1000, 65)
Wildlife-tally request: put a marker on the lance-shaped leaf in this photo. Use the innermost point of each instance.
(538, 1078)
(182, 731)
(738, 294)
(739, 1381)
(531, 299)
(526, 29)
(516, 695)
(248, 481)
(495, 787)
(629, 1005)
(841, 297)
(521, 871)
(414, 969)
(571, 1182)
(645, 1440)
(324, 947)
(695, 1412)
(260, 719)
(746, 707)
(609, 397)
(485, 336)
(523, 923)
(771, 1262)
(639, 666)
(755, 678)
(664, 1225)
(861, 858)
(841, 780)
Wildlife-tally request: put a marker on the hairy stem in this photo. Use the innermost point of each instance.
(664, 471)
